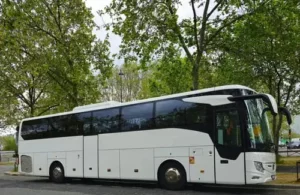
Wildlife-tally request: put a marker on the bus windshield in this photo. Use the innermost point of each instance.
(258, 128)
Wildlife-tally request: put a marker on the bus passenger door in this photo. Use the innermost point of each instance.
(229, 154)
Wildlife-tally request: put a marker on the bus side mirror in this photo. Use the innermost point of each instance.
(287, 114)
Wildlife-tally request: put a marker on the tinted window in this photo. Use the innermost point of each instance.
(85, 122)
(105, 121)
(170, 113)
(34, 129)
(59, 126)
(56, 127)
(137, 117)
(76, 124)
(199, 117)
(177, 113)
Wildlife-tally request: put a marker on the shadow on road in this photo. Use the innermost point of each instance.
(150, 185)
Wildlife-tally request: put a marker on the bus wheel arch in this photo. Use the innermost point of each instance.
(172, 175)
(57, 172)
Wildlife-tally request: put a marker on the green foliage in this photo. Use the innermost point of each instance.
(130, 82)
(9, 143)
(270, 53)
(149, 28)
(50, 60)
(170, 75)
(265, 48)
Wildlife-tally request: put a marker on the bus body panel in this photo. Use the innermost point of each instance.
(68, 149)
(202, 167)
(170, 152)
(90, 156)
(109, 164)
(269, 165)
(74, 164)
(137, 164)
(40, 163)
(159, 138)
(62, 144)
(230, 171)
(56, 155)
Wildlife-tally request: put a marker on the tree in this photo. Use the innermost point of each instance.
(170, 74)
(148, 28)
(50, 58)
(9, 143)
(129, 82)
(268, 45)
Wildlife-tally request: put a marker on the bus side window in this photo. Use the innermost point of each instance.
(105, 121)
(84, 123)
(137, 117)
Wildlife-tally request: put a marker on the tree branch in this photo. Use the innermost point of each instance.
(202, 31)
(195, 25)
(47, 109)
(289, 93)
(179, 35)
(213, 9)
(224, 26)
(236, 19)
(52, 14)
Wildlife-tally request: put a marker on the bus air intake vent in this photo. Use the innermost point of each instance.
(26, 164)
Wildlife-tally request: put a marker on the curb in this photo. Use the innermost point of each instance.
(270, 186)
(281, 186)
(259, 186)
(14, 173)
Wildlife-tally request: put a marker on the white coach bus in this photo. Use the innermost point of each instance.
(218, 135)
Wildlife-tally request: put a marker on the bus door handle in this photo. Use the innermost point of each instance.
(224, 161)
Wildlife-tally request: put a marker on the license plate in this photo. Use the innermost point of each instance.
(273, 177)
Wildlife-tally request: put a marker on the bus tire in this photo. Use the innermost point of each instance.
(57, 173)
(172, 176)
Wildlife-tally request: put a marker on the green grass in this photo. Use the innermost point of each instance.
(288, 161)
(286, 178)
(6, 163)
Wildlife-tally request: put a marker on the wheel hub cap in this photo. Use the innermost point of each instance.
(172, 175)
(57, 172)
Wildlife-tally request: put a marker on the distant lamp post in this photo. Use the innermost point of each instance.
(121, 74)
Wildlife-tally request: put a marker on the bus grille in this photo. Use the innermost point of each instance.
(26, 164)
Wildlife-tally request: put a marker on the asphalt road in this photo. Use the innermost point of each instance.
(20, 185)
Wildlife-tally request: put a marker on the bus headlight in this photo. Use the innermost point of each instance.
(259, 166)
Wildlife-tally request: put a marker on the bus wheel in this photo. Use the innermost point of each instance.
(172, 176)
(57, 173)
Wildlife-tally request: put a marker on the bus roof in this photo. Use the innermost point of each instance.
(112, 104)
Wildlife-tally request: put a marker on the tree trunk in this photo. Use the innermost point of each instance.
(31, 110)
(195, 75)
